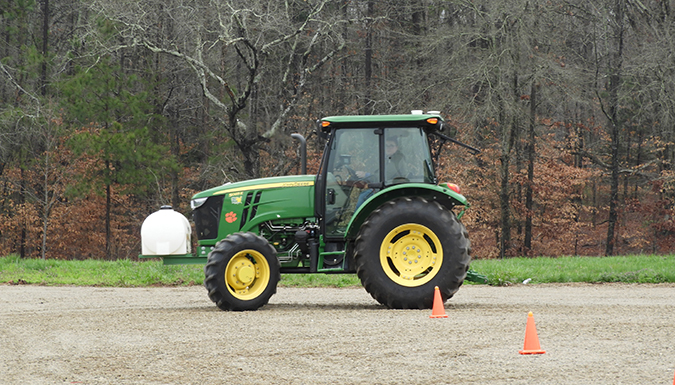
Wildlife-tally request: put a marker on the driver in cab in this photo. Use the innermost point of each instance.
(394, 168)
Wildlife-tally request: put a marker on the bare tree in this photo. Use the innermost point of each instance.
(237, 51)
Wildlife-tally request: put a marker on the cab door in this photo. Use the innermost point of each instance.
(351, 170)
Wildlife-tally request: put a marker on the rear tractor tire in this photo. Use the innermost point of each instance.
(407, 247)
(242, 272)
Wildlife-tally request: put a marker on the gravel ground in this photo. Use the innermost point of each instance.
(592, 334)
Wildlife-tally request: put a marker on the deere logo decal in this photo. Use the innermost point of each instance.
(264, 186)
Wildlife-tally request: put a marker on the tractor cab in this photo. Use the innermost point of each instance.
(366, 155)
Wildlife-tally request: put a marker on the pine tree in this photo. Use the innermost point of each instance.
(113, 126)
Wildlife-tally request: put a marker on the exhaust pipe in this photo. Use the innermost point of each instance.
(303, 152)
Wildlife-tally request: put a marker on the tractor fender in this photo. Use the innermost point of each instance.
(441, 194)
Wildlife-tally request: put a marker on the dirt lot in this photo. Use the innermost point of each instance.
(592, 334)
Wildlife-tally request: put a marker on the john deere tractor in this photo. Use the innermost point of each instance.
(375, 208)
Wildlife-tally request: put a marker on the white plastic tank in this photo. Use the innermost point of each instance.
(166, 232)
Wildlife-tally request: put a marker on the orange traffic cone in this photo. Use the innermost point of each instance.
(531, 338)
(438, 310)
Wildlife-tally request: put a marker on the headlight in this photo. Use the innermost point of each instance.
(195, 203)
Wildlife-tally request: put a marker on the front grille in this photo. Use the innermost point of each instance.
(207, 218)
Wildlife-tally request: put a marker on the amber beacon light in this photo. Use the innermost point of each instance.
(453, 187)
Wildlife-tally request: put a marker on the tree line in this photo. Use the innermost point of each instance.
(109, 109)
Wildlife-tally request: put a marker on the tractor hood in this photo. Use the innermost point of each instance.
(259, 184)
(245, 206)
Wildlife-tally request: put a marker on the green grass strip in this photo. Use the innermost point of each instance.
(126, 273)
(627, 269)
(122, 273)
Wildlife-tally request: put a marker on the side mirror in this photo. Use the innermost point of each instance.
(448, 129)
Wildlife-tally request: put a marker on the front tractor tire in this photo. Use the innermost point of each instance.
(407, 247)
(242, 272)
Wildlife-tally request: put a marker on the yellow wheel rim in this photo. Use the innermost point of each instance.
(411, 255)
(247, 274)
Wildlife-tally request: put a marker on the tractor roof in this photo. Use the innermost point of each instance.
(360, 121)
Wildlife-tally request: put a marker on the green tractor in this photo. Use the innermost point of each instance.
(375, 208)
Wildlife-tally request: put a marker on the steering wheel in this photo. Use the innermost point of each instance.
(352, 173)
(356, 181)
